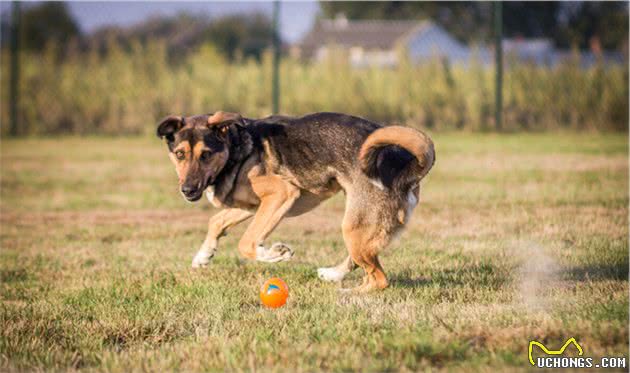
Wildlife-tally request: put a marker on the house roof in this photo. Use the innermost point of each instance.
(372, 34)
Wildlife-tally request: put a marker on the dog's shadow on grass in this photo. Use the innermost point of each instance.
(483, 274)
(399, 281)
(599, 272)
(487, 275)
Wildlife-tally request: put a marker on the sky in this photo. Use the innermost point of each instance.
(295, 17)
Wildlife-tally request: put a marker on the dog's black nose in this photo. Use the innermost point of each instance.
(189, 190)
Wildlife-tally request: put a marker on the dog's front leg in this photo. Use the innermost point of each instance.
(217, 226)
(276, 198)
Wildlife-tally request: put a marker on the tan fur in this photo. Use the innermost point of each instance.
(225, 219)
(189, 163)
(270, 160)
(309, 201)
(275, 195)
(401, 216)
(217, 226)
(414, 141)
(222, 116)
(198, 149)
(265, 184)
(184, 166)
(365, 233)
(276, 198)
(181, 166)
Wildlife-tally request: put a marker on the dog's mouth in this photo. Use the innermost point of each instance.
(196, 195)
(193, 197)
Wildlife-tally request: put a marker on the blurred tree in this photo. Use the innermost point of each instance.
(567, 23)
(47, 22)
(247, 34)
(534, 19)
(235, 36)
(585, 23)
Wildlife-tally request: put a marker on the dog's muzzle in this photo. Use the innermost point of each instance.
(192, 192)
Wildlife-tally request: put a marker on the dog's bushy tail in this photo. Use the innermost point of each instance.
(396, 156)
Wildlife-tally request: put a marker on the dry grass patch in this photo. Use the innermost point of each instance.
(516, 238)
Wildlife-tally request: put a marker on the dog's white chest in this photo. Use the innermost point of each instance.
(210, 195)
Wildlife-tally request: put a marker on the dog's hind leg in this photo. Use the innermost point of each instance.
(368, 226)
(365, 254)
(338, 272)
(276, 199)
(217, 226)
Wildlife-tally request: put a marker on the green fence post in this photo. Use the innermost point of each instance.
(275, 89)
(498, 52)
(14, 87)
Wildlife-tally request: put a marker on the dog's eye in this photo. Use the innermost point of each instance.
(205, 156)
(179, 155)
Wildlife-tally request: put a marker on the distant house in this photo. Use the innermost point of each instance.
(538, 51)
(542, 52)
(380, 43)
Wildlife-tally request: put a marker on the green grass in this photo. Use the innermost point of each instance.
(517, 237)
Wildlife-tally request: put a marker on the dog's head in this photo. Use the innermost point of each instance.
(199, 147)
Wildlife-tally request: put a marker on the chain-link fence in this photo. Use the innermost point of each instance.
(420, 72)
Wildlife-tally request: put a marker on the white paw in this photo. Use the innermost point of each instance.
(202, 259)
(331, 274)
(278, 252)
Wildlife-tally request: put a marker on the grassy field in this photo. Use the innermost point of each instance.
(517, 237)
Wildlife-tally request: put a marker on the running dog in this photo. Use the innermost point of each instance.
(285, 166)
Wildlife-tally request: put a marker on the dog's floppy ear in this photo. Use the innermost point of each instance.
(221, 121)
(168, 126)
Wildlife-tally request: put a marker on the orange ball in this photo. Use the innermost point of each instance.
(274, 293)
